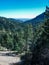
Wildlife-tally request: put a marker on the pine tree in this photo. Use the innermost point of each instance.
(41, 42)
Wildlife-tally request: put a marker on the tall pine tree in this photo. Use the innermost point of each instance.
(42, 43)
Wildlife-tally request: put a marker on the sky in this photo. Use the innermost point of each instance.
(22, 8)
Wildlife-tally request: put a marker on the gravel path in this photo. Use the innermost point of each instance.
(6, 60)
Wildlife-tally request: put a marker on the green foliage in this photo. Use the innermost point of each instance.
(15, 35)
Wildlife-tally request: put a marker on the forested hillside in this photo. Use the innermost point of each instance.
(18, 35)
(15, 35)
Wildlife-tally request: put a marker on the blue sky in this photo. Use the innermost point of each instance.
(22, 8)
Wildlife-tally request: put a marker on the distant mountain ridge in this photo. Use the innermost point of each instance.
(36, 20)
(28, 20)
(20, 19)
(23, 19)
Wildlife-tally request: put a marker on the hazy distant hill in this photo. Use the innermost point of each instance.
(23, 19)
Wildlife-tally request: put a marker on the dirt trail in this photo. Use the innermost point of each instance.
(6, 60)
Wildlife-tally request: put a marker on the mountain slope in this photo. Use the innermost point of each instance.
(9, 24)
(36, 20)
(9, 31)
